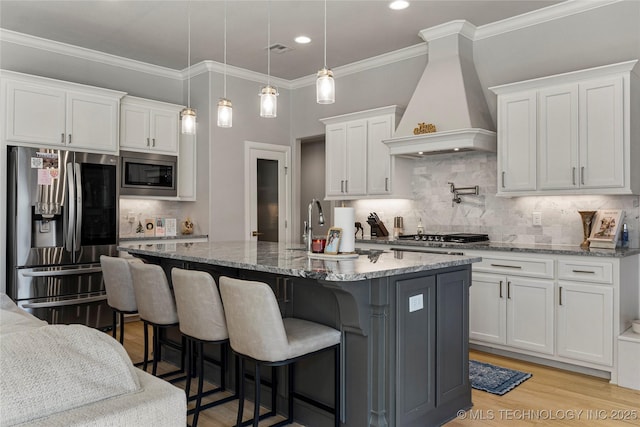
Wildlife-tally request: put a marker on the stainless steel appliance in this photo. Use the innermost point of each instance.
(447, 237)
(148, 174)
(62, 215)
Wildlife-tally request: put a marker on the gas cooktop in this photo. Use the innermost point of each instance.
(446, 237)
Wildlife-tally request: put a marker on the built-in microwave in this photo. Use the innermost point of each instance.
(148, 174)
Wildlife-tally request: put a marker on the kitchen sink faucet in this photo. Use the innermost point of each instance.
(309, 229)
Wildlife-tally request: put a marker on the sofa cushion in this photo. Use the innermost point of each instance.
(54, 368)
(13, 318)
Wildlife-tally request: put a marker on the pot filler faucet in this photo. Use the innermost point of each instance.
(308, 229)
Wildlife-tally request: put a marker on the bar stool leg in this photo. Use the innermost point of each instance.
(200, 383)
(241, 392)
(122, 328)
(146, 346)
(290, 396)
(190, 367)
(114, 324)
(156, 350)
(274, 390)
(224, 360)
(256, 406)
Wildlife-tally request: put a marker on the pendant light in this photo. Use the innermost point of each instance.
(268, 94)
(188, 114)
(225, 109)
(325, 85)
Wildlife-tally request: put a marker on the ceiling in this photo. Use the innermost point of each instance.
(155, 32)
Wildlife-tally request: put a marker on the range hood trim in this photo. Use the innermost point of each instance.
(443, 142)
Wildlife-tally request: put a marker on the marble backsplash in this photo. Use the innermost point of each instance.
(142, 209)
(504, 219)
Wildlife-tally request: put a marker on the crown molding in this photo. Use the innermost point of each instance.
(536, 17)
(218, 67)
(88, 54)
(366, 64)
(459, 26)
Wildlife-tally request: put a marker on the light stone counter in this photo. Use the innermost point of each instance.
(290, 260)
(507, 247)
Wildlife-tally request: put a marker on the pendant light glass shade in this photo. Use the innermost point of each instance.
(188, 116)
(325, 87)
(225, 113)
(269, 102)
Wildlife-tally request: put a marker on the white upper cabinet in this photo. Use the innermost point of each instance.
(358, 163)
(40, 111)
(569, 134)
(149, 126)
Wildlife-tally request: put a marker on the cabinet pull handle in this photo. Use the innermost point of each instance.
(154, 142)
(582, 175)
(560, 295)
(346, 185)
(148, 143)
(69, 142)
(584, 271)
(62, 138)
(500, 289)
(508, 290)
(502, 179)
(342, 186)
(386, 184)
(519, 267)
(573, 175)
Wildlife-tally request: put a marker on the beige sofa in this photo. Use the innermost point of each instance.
(72, 375)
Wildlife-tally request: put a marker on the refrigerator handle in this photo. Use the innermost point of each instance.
(63, 303)
(71, 205)
(77, 238)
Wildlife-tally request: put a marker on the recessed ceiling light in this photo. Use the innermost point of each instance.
(421, 152)
(399, 4)
(302, 39)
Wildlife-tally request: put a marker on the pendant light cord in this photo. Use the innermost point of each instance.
(225, 49)
(269, 43)
(325, 34)
(189, 53)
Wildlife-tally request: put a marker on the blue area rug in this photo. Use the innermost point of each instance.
(494, 379)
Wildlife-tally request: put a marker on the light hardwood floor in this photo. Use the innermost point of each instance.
(551, 397)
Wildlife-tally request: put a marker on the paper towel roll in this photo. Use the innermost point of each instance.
(345, 218)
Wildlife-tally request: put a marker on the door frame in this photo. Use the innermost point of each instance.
(251, 147)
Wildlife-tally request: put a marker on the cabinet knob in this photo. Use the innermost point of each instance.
(256, 233)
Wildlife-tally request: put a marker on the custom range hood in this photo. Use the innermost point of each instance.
(448, 96)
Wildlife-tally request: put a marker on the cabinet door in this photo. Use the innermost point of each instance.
(585, 322)
(488, 308)
(530, 314)
(134, 128)
(558, 138)
(35, 114)
(601, 134)
(379, 159)
(164, 131)
(336, 160)
(356, 170)
(517, 142)
(92, 122)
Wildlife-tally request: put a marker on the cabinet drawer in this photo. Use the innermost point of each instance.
(533, 267)
(581, 271)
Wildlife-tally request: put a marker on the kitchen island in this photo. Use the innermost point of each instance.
(404, 320)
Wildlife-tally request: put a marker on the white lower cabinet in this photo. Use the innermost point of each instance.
(513, 311)
(585, 322)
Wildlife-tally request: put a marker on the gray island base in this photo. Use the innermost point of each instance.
(403, 316)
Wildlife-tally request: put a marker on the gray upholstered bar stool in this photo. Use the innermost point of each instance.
(258, 333)
(118, 283)
(156, 307)
(202, 321)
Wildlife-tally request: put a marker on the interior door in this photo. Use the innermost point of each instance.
(267, 192)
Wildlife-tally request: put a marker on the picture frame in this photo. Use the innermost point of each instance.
(333, 241)
(605, 229)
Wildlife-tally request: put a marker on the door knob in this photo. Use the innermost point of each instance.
(255, 233)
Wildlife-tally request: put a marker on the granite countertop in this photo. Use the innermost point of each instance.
(292, 260)
(508, 247)
(142, 238)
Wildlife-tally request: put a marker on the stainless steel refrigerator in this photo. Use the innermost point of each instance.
(62, 215)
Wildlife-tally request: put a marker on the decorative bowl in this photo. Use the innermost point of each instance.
(635, 325)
